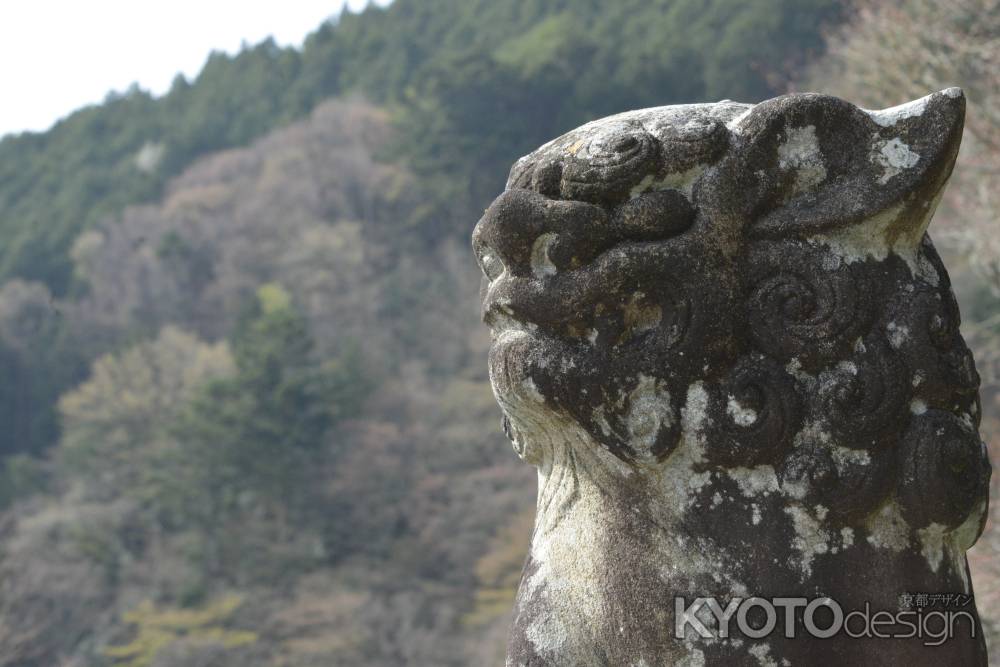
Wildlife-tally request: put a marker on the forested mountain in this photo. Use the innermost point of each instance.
(469, 86)
(248, 419)
(521, 69)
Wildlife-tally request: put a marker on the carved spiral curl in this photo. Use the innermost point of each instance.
(797, 309)
(959, 369)
(675, 313)
(610, 165)
(944, 470)
(753, 413)
(925, 324)
(850, 483)
(865, 400)
(541, 175)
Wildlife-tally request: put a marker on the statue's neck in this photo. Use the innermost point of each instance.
(577, 478)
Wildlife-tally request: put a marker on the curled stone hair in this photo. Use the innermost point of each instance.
(722, 334)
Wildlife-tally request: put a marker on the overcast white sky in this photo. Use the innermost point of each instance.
(58, 55)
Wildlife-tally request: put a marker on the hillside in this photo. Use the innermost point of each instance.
(333, 524)
(101, 159)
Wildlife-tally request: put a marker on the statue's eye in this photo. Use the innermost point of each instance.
(492, 266)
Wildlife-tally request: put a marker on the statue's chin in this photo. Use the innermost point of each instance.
(511, 362)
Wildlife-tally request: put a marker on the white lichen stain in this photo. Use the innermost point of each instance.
(742, 415)
(893, 156)
(932, 544)
(678, 482)
(797, 489)
(918, 407)
(682, 181)
(887, 529)
(810, 538)
(541, 265)
(675, 488)
(846, 537)
(889, 117)
(762, 652)
(848, 366)
(757, 481)
(898, 334)
(884, 233)
(794, 368)
(649, 412)
(865, 240)
(844, 457)
(811, 434)
(694, 418)
(800, 151)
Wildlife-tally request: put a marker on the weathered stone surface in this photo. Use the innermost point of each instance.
(724, 338)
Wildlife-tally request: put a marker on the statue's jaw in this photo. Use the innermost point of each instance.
(520, 361)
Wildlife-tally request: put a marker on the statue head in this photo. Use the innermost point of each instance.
(722, 335)
(753, 280)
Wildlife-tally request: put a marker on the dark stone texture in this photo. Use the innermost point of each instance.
(724, 338)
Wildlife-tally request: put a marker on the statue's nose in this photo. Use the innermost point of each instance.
(503, 238)
(525, 234)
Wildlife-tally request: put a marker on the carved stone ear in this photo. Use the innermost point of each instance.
(808, 163)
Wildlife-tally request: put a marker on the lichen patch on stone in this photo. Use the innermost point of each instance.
(887, 529)
(649, 411)
(932, 544)
(893, 156)
(810, 540)
(800, 152)
(889, 117)
(742, 415)
(541, 265)
(898, 334)
(757, 481)
(762, 652)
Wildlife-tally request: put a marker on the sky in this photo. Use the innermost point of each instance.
(59, 55)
